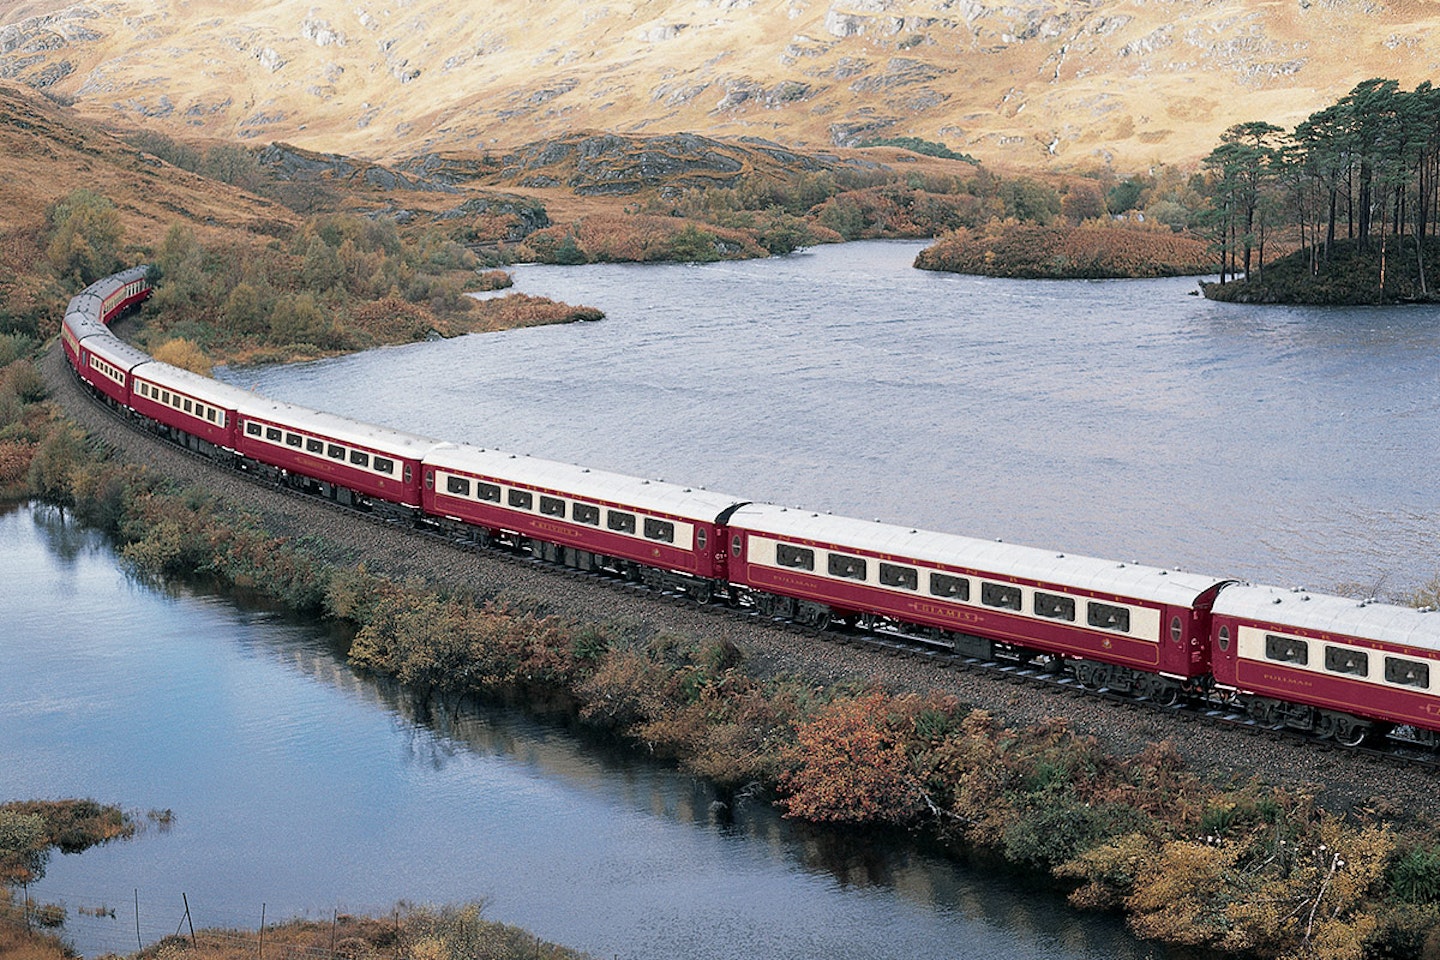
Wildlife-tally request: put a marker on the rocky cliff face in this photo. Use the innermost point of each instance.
(1033, 82)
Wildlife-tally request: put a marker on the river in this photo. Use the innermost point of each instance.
(300, 788)
(1124, 419)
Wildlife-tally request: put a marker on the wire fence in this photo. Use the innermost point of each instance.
(99, 925)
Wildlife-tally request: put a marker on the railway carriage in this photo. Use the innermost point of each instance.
(120, 291)
(106, 363)
(1130, 627)
(1344, 669)
(197, 412)
(82, 319)
(667, 534)
(354, 463)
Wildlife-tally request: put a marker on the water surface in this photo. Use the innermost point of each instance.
(300, 789)
(1125, 419)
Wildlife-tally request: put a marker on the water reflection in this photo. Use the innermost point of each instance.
(301, 784)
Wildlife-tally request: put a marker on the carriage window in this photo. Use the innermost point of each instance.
(586, 513)
(943, 585)
(800, 558)
(359, 458)
(1411, 673)
(906, 578)
(659, 530)
(272, 433)
(1286, 650)
(1054, 607)
(253, 429)
(622, 522)
(1108, 617)
(334, 452)
(187, 406)
(458, 486)
(1177, 631)
(522, 499)
(212, 415)
(383, 465)
(851, 568)
(429, 479)
(552, 506)
(735, 546)
(1224, 638)
(487, 491)
(700, 539)
(164, 396)
(293, 440)
(1344, 660)
(314, 446)
(1000, 595)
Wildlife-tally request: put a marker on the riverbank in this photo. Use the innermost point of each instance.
(979, 763)
(1382, 271)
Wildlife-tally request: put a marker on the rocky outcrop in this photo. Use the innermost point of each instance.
(284, 162)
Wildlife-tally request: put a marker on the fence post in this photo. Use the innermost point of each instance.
(189, 919)
(138, 944)
(262, 931)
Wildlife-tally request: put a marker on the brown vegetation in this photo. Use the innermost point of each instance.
(1030, 251)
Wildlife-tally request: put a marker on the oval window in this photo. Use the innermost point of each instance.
(735, 547)
(1224, 638)
(700, 538)
(1177, 631)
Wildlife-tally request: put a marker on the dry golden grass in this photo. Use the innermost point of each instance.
(1059, 85)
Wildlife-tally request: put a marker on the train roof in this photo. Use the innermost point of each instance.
(652, 496)
(991, 556)
(117, 352)
(208, 389)
(105, 286)
(1302, 610)
(397, 443)
(82, 316)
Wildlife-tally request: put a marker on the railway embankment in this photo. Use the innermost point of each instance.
(1191, 829)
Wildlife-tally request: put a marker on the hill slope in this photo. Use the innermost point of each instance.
(1027, 81)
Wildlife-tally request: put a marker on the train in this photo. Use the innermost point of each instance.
(1340, 669)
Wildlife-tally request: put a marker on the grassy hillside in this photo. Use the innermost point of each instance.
(1039, 83)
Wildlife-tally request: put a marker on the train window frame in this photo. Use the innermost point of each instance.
(1223, 638)
(1177, 630)
(700, 538)
(793, 556)
(359, 458)
(899, 576)
(846, 567)
(620, 521)
(1347, 660)
(1407, 673)
(487, 491)
(735, 545)
(274, 434)
(552, 506)
(188, 405)
(1002, 596)
(457, 486)
(314, 446)
(1107, 616)
(586, 513)
(383, 465)
(661, 530)
(335, 452)
(253, 429)
(1053, 606)
(520, 499)
(294, 440)
(1283, 649)
(949, 587)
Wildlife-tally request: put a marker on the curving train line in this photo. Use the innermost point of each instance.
(1331, 667)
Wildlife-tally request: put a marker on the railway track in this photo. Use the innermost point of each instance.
(1039, 673)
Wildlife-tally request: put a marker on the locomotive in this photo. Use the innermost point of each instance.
(1341, 669)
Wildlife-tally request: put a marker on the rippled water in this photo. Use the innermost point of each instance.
(1126, 419)
(300, 788)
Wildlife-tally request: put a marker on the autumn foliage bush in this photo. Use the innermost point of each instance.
(1030, 251)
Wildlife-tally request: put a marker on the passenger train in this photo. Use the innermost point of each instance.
(1344, 670)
